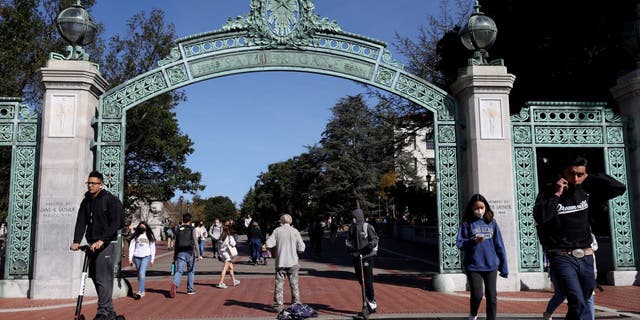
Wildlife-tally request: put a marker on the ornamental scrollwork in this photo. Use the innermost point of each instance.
(523, 116)
(6, 132)
(386, 58)
(20, 219)
(522, 134)
(135, 91)
(177, 74)
(615, 135)
(526, 191)
(446, 134)
(27, 132)
(273, 23)
(111, 166)
(174, 55)
(385, 76)
(111, 132)
(449, 210)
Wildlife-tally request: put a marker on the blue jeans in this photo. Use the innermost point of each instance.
(256, 245)
(576, 279)
(201, 244)
(185, 262)
(142, 263)
(558, 298)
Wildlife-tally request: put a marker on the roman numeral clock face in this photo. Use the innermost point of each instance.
(282, 16)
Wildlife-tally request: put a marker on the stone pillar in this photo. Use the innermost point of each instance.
(66, 158)
(627, 93)
(482, 93)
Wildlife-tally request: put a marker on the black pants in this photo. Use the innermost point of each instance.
(367, 267)
(476, 280)
(101, 272)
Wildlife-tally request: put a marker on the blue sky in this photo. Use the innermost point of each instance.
(240, 124)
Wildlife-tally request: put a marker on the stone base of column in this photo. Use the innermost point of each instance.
(450, 282)
(60, 289)
(623, 278)
(534, 281)
(121, 288)
(14, 288)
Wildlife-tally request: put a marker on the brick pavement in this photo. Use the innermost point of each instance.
(327, 284)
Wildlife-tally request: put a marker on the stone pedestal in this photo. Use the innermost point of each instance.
(627, 93)
(66, 158)
(482, 93)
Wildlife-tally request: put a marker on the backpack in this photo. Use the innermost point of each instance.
(215, 232)
(297, 311)
(184, 238)
(365, 228)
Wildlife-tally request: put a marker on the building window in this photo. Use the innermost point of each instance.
(431, 164)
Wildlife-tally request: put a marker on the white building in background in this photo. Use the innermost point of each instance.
(422, 148)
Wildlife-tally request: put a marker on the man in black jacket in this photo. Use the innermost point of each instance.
(562, 217)
(362, 244)
(100, 216)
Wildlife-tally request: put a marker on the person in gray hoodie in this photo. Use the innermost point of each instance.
(286, 243)
(362, 240)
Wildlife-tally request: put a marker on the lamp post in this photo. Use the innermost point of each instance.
(478, 35)
(78, 29)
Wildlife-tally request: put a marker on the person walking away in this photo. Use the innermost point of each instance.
(316, 232)
(286, 243)
(362, 241)
(201, 233)
(485, 256)
(215, 231)
(255, 240)
(225, 242)
(562, 215)
(170, 236)
(184, 255)
(142, 252)
(100, 216)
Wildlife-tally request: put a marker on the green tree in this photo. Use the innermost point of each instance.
(220, 207)
(355, 150)
(156, 149)
(27, 36)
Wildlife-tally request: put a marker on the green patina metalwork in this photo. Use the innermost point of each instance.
(19, 130)
(286, 35)
(569, 124)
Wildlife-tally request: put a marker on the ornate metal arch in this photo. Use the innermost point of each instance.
(286, 35)
(575, 124)
(19, 130)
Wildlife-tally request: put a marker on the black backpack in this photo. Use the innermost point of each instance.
(184, 238)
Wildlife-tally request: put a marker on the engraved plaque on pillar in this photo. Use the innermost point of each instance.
(491, 119)
(62, 119)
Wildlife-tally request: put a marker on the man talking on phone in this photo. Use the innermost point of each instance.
(564, 230)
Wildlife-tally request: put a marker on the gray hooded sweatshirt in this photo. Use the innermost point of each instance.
(359, 240)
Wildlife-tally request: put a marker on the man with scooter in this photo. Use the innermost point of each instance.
(362, 244)
(100, 216)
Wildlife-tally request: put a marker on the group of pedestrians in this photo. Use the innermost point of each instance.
(561, 213)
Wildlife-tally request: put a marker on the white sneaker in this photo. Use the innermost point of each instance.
(236, 283)
(473, 317)
(222, 286)
(372, 305)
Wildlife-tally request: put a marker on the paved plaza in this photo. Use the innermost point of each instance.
(402, 281)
